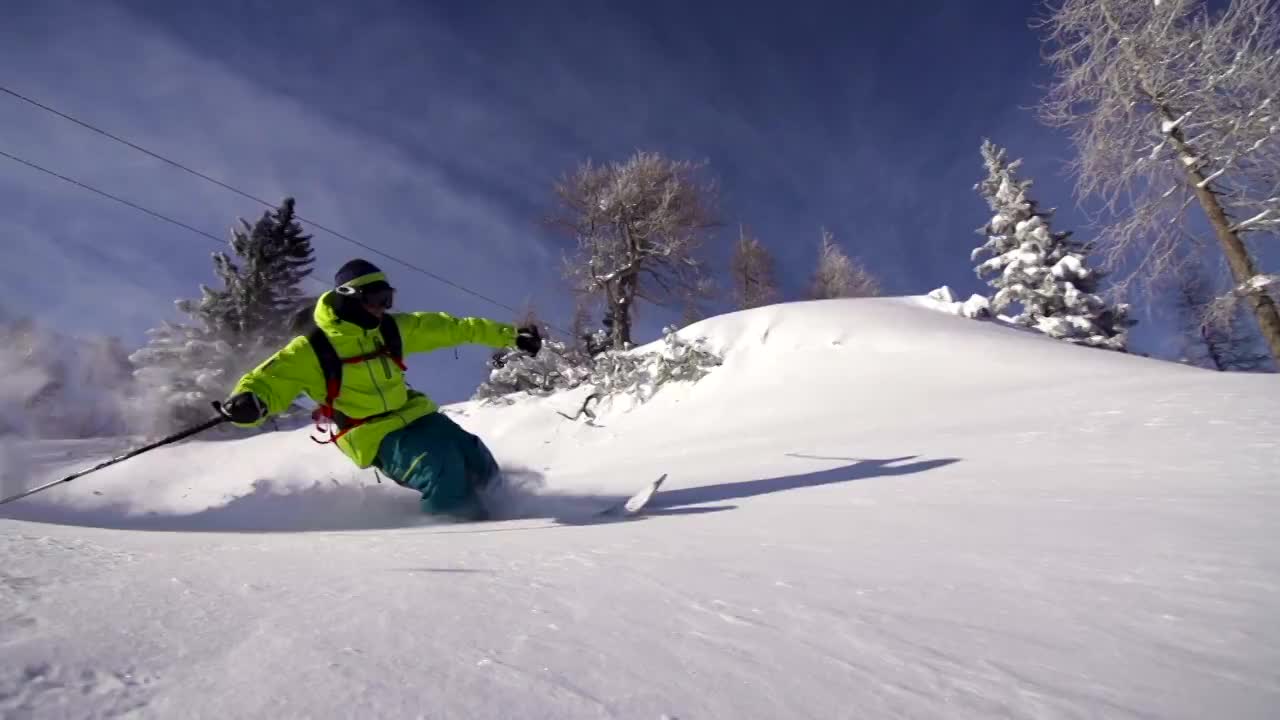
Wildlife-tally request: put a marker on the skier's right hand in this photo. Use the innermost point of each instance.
(244, 408)
(529, 339)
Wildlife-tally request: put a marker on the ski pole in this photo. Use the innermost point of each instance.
(132, 453)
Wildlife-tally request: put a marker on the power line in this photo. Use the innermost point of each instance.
(241, 193)
(109, 196)
(122, 201)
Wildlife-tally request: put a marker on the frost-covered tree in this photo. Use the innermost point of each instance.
(839, 276)
(275, 257)
(1212, 339)
(590, 340)
(640, 375)
(639, 225)
(231, 328)
(1173, 105)
(557, 366)
(613, 372)
(1042, 271)
(752, 272)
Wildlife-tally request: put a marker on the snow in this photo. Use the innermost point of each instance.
(1260, 219)
(1262, 282)
(943, 299)
(859, 522)
(1168, 126)
(1259, 283)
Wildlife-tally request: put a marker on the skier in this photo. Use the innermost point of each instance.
(372, 415)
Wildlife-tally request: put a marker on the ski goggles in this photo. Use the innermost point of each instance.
(379, 294)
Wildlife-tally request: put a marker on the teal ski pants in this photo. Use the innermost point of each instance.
(439, 459)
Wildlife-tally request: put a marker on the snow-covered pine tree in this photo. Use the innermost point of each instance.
(232, 328)
(1042, 271)
(839, 276)
(276, 256)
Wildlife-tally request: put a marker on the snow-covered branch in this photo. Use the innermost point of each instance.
(614, 372)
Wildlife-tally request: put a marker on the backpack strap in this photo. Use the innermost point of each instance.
(331, 365)
(391, 337)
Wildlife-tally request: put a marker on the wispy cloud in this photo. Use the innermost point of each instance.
(435, 134)
(89, 265)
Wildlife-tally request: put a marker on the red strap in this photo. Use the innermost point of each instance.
(325, 413)
(380, 352)
(334, 388)
(334, 436)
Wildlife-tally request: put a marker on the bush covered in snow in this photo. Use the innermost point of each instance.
(641, 374)
(556, 367)
(614, 372)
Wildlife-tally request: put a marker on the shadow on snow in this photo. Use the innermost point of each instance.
(860, 469)
(333, 507)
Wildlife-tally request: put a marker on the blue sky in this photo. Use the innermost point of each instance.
(434, 131)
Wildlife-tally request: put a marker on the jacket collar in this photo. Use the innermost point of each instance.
(336, 318)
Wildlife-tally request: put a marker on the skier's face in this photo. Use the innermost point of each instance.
(378, 300)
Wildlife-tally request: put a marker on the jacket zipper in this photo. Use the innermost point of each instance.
(386, 366)
(374, 380)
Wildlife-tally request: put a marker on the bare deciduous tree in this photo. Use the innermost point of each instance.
(639, 225)
(752, 271)
(1170, 107)
(838, 275)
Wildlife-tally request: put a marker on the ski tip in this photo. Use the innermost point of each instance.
(637, 502)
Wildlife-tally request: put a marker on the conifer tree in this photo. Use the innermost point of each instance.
(1042, 271)
(234, 327)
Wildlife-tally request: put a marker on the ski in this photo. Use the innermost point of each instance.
(635, 504)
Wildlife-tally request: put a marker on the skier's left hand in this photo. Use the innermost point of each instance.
(529, 339)
(244, 408)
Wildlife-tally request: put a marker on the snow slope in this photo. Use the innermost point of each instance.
(875, 509)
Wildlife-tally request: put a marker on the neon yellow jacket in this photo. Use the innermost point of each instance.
(373, 387)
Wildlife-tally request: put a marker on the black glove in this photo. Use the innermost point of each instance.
(529, 339)
(244, 408)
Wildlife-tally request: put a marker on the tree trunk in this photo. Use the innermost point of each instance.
(621, 297)
(1242, 266)
(1216, 356)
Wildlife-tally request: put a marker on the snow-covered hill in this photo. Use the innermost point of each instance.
(874, 509)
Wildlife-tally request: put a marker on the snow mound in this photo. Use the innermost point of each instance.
(977, 306)
(871, 504)
(784, 366)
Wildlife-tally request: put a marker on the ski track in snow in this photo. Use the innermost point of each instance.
(874, 510)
